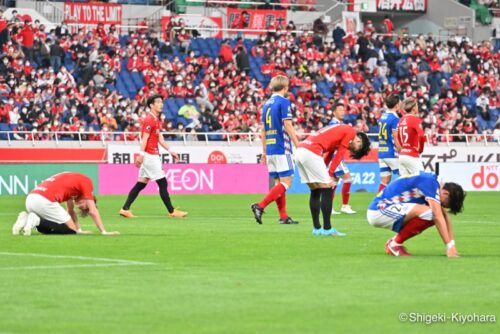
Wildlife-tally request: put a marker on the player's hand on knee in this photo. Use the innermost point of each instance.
(452, 252)
(138, 160)
(110, 233)
(263, 159)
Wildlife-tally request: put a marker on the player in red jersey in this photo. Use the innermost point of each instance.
(46, 214)
(313, 156)
(411, 138)
(149, 160)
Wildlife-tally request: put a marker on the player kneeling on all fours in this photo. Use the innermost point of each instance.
(313, 156)
(412, 204)
(46, 214)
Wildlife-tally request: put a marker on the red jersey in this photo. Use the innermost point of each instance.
(411, 136)
(328, 140)
(151, 125)
(65, 186)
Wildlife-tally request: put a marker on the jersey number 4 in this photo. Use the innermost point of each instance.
(269, 120)
(383, 131)
(404, 134)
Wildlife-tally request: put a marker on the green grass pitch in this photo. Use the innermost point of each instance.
(219, 272)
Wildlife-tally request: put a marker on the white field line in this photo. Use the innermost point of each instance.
(107, 262)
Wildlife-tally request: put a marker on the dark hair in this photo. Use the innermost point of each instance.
(365, 146)
(391, 101)
(336, 105)
(456, 197)
(152, 99)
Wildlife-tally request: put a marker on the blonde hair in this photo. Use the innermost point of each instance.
(409, 104)
(278, 83)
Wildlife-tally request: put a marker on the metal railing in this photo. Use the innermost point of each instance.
(126, 137)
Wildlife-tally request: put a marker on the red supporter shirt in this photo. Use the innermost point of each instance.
(151, 125)
(65, 186)
(411, 136)
(328, 140)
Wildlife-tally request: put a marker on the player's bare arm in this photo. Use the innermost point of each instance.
(263, 141)
(442, 228)
(96, 217)
(71, 210)
(144, 142)
(164, 144)
(290, 130)
(397, 144)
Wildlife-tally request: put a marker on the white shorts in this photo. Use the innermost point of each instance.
(409, 165)
(151, 167)
(388, 166)
(312, 167)
(46, 209)
(280, 165)
(390, 217)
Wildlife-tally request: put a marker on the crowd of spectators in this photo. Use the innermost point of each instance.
(66, 81)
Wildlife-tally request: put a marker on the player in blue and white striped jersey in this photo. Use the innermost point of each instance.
(413, 203)
(342, 172)
(277, 135)
(388, 145)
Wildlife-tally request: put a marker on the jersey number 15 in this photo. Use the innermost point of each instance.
(404, 134)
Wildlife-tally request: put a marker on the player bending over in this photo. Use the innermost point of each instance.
(46, 214)
(277, 136)
(414, 203)
(342, 172)
(313, 156)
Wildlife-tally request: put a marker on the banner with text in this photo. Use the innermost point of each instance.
(259, 19)
(435, 154)
(402, 5)
(92, 13)
(126, 154)
(189, 179)
(21, 179)
(472, 176)
(198, 22)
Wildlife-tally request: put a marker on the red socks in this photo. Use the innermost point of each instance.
(276, 192)
(281, 203)
(381, 187)
(346, 188)
(412, 228)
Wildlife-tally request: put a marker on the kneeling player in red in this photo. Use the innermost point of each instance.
(411, 205)
(46, 214)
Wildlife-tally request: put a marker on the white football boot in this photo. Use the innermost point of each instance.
(21, 221)
(33, 221)
(347, 209)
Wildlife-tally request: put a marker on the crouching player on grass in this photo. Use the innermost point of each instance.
(46, 214)
(412, 204)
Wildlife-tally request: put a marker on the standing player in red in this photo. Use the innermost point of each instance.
(149, 160)
(46, 214)
(411, 138)
(313, 156)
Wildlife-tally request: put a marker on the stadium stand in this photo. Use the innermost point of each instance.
(99, 80)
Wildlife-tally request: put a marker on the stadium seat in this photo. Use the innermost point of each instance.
(4, 127)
